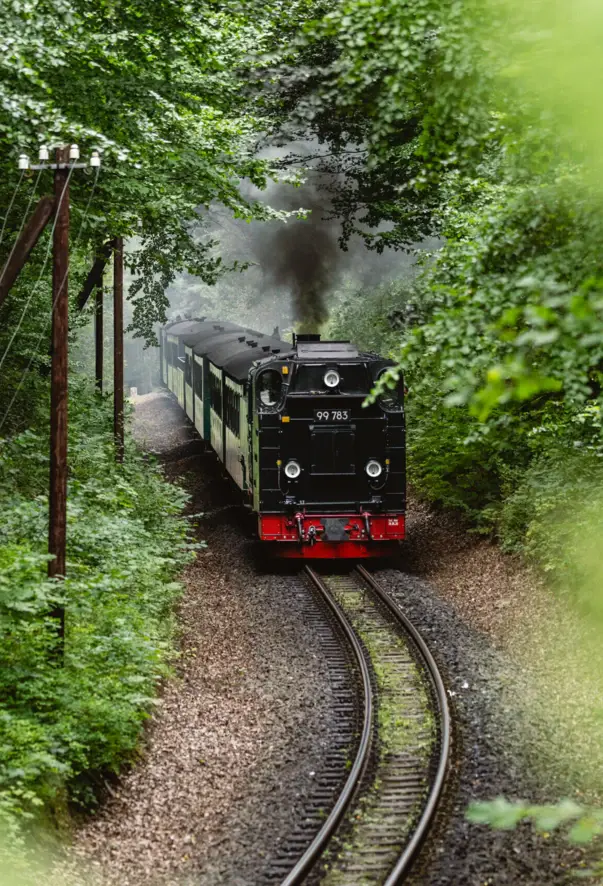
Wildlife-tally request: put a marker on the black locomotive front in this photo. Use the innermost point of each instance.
(329, 472)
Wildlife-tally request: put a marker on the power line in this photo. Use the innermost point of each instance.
(39, 280)
(24, 219)
(37, 344)
(10, 206)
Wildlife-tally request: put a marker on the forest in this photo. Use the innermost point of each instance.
(446, 159)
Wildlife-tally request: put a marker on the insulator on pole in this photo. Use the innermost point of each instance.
(74, 152)
(23, 161)
(95, 159)
(43, 153)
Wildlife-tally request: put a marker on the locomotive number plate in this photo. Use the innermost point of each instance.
(332, 415)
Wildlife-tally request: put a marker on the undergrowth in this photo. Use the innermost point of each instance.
(126, 542)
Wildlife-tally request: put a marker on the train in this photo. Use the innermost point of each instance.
(323, 474)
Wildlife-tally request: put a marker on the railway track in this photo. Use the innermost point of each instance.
(379, 792)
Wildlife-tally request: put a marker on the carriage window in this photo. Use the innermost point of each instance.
(198, 376)
(232, 410)
(270, 385)
(215, 386)
(236, 413)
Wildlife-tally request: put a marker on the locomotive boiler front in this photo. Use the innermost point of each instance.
(329, 472)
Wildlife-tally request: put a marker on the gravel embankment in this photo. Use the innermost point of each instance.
(492, 592)
(229, 756)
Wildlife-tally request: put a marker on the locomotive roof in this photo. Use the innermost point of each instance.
(235, 355)
(207, 346)
(327, 350)
(170, 323)
(204, 346)
(218, 351)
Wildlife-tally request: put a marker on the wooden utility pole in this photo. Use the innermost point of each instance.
(95, 275)
(94, 283)
(118, 347)
(98, 337)
(58, 380)
(63, 166)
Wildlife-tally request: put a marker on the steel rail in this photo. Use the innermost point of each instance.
(322, 838)
(429, 810)
(320, 842)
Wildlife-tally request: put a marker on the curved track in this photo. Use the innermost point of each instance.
(384, 809)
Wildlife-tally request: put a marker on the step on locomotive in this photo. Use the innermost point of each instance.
(324, 474)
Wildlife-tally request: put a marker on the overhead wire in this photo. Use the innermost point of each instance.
(41, 274)
(23, 220)
(37, 344)
(10, 206)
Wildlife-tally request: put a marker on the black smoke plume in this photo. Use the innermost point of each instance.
(301, 255)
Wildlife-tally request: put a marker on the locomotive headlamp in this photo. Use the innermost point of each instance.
(292, 470)
(373, 469)
(331, 378)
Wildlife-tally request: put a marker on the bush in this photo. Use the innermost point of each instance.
(126, 542)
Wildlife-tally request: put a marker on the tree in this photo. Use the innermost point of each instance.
(154, 87)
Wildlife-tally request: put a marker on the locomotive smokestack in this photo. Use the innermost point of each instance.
(305, 337)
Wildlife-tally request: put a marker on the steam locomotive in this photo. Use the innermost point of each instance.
(324, 475)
